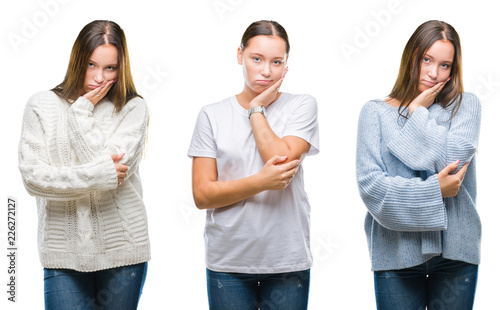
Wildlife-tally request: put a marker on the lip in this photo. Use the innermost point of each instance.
(428, 83)
(94, 86)
(263, 82)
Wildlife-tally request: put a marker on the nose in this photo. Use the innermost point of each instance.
(99, 77)
(266, 70)
(433, 72)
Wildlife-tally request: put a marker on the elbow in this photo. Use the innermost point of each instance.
(201, 201)
(201, 205)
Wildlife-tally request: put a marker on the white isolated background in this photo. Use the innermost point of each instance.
(183, 56)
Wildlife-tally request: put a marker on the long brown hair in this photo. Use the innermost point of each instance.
(91, 36)
(406, 87)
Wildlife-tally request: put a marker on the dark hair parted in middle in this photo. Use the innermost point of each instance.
(406, 86)
(266, 28)
(90, 37)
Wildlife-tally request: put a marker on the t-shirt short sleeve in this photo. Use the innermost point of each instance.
(303, 123)
(203, 142)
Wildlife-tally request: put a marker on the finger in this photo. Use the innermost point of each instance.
(121, 168)
(106, 88)
(277, 159)
(284, 73)
(288, 175)
(461, 172)
(272, 89)
(441, 85)
(121, 177)
(117, 157)
(277, 85)
(94, 95)
(294, 164)
(435, 89)
(94, 92)
(450, 167)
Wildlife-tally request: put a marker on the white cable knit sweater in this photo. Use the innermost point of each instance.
(85, 222)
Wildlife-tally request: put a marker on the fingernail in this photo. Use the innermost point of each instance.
(123, 154)
(457, 162)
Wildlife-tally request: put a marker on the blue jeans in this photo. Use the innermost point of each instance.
(438, 284)
(243, 291)
(115, 288)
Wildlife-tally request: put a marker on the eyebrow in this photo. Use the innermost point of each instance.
(257, 54)
(107, 65)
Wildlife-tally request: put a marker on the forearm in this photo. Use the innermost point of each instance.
(66, 183)
(89, 141)
(426, 144)
(403, 204)
(218, 194)
(268, 143)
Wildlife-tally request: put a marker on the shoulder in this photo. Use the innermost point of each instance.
(299, 99)
(218, 108)
(470, 106)
(223, 104)
(136, 102)
(471, 100)
(296, 104)
(45, 103)
(46, 96)
(136, 105)
(375, 106)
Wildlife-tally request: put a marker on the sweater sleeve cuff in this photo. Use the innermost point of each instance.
(104, 173)
(411, 132)
(414, 146)
(425, 207)
(83, 104)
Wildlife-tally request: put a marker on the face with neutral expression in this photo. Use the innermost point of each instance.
(436, 64)
(264, 61)
(102, 67)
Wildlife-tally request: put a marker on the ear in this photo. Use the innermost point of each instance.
(239, 55)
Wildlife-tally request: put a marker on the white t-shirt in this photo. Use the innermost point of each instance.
(268, 232)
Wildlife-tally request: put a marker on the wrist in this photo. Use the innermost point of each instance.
(254, 103)
(258, 109)
(258, 182)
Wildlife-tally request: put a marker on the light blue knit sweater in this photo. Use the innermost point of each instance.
(408, 221)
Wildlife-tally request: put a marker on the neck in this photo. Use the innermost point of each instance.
(393, 102)
(245, 97)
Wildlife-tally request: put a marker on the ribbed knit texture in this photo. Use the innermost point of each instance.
(86, 222)
(397, 163)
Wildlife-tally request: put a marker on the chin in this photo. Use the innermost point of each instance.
(422, 88)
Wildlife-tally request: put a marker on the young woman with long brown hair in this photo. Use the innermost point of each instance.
(416, 162)
(79, 155)
(246, 149)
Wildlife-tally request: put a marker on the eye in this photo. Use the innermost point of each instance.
(426, 60)
(111, 68)
(445, 66)
(256, 59)
(91, 65)
(278, 62)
